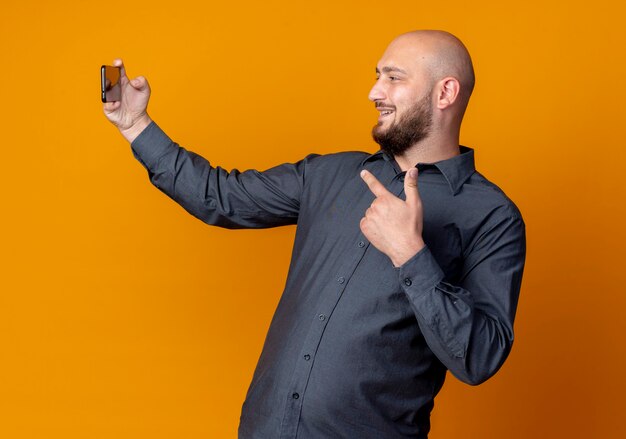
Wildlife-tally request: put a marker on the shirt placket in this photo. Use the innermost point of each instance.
(331, 296)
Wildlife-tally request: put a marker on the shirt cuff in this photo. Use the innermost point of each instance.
(150, 145)
(421, 273)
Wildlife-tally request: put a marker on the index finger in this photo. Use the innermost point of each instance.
(119, 63)
(372, 182)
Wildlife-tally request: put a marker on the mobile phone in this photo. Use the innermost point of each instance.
(110, 84)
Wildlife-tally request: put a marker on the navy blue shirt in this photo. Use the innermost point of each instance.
(358, 348)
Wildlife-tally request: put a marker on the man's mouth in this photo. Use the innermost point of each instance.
(384, 112)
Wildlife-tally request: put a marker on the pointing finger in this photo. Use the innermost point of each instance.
(375, 186)
(410, 187)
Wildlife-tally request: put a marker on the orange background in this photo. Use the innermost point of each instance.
(121, 316)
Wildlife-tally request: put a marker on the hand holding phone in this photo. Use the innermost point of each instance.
(129, 112)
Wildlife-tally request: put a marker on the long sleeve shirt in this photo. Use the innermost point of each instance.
(358, 348)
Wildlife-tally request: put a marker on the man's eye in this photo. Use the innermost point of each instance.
(393, 78)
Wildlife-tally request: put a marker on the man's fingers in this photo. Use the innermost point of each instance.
(375, 186)
(410, 187)
(140, 83)
(111, 106)
(119, 63)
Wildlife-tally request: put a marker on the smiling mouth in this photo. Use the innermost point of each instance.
(384, 114)
(384, 110)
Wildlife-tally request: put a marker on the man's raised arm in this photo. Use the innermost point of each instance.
(249, 199)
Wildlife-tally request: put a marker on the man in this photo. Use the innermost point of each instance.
(389, 286)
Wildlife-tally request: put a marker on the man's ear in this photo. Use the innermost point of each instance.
(449, 88)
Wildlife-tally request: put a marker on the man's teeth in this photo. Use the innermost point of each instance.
(384, 113)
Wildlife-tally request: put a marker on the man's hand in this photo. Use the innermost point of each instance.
(129, 114)
(392, 225)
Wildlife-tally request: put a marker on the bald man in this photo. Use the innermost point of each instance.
(394, 280)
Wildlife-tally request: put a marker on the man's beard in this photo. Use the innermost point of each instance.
(413, 127)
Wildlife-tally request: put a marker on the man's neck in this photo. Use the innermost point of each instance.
(429, 150)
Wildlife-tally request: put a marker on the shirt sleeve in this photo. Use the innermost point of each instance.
(230, 199)
(469, 326)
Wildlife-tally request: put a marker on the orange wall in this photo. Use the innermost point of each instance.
(123, 317)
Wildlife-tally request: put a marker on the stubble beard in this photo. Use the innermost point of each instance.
(413, 127)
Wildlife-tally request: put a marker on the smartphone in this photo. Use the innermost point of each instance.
(110, 84)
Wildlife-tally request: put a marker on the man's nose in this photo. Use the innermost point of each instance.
(377, 93)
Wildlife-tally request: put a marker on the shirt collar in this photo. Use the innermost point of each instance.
(456, 170)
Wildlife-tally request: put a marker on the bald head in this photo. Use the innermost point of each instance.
(443, 54)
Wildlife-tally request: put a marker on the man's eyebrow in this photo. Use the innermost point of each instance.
(388, 69)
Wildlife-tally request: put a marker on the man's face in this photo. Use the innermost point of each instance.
(402, 95)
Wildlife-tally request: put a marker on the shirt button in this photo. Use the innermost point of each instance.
(322, 317)
(408, 282)
(361, 244)
(341, 279)
(295, 396)
(307, 357)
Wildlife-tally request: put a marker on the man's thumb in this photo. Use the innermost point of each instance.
(410, 186)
